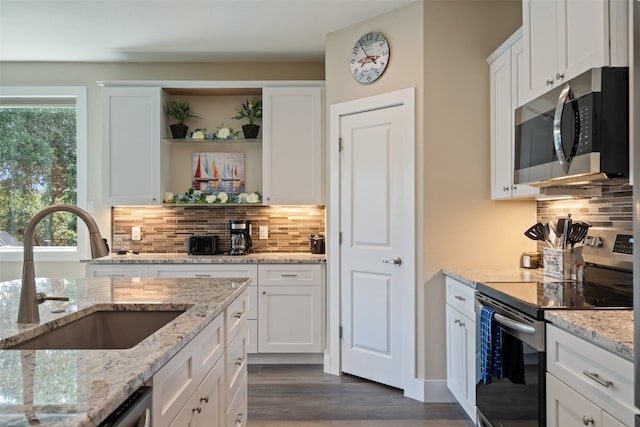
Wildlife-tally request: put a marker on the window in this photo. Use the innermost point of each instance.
(42, 162)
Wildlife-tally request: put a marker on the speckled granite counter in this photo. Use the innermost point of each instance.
(609, 329)
(474, 276)
(182, 258)
(81, 387)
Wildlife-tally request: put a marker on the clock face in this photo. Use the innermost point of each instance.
(369, 57)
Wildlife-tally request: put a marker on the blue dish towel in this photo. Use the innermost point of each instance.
(490, 347)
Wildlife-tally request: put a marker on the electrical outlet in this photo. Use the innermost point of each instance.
(136, 233)
(264, 231)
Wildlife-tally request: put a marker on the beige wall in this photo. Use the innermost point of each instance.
(86, 74)
(439, 47)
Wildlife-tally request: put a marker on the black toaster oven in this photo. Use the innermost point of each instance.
(202, 245)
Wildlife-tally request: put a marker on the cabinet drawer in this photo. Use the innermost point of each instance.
(236, 364)
(208, 346)
(599, 375)
(98, 270)
(294, 274)
(236, 316)
(237, 413)
(461, 297)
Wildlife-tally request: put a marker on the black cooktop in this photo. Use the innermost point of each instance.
(534, 297)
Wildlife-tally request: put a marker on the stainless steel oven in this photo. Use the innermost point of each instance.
(516, 399)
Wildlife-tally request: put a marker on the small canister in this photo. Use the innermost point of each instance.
(530, 260)
(316, 243)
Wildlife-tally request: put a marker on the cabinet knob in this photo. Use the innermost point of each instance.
(204, 399)
(264, 292)
(239, 419)
(587, 420)
(198, 409)
(514, 188)
(597, 378)
(549, 82)
(239, 361)
(559, 76)
(505, 188)
(460, 298)
(237, 315)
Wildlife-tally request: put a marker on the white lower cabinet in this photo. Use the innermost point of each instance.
(290, 309)
(461, 345)
(586, 385)
(195, 386)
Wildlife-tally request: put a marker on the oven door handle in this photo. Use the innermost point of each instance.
(516, 326)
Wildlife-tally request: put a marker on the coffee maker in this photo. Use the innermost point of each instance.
(240, 231)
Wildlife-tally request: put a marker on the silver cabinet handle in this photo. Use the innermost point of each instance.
(239, 419)
(239, 361)
(587, 420)
(289, 275)
(203, 275)
(559, 76)
(549, 82)
(397, 261)
(237, 315)
(596, 377)
(198, 409)
(459, 298)
(204, 399)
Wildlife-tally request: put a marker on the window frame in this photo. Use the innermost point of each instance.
(79, 93)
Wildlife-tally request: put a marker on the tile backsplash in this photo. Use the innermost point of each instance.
(165, 228)
(613, 209)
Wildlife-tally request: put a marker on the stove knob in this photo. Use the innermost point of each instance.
(597, 242)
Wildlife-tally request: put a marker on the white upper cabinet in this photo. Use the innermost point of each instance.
(504, 70)
(565, 38)
(292, 162)
(141, 163)
(132, 150)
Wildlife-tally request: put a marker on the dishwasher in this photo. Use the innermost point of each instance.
(133, 412)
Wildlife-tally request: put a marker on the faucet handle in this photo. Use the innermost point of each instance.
(42, 297)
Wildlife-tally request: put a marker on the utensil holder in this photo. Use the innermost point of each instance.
(558, 262)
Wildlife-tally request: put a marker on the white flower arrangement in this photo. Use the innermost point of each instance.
(223, 133)
(192, 196)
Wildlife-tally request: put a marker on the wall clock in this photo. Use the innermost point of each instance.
(369, 57)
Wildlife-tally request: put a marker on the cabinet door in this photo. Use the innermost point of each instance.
(501, 126)
(292, 146)
(565, 407)
(133, 152)
(540, 33)
(583, 37)
(456, 364)
(461, 359)
(289, 319)
(609, 421)
(210, 398)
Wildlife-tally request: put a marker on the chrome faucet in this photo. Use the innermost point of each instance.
(29, 298)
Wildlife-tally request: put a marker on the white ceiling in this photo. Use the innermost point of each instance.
(177, 30)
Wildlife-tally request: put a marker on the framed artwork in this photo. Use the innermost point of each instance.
(216, 172)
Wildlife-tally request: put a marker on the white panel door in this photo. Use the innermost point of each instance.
(376, 218)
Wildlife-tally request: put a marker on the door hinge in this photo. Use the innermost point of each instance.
(340, 145)
(340, 332)
(340, 238)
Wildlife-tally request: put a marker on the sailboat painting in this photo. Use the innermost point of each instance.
(215, 172)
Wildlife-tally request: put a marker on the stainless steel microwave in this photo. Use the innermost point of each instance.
(576, 133)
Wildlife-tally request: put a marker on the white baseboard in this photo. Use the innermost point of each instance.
(429, 391)
(285, 358)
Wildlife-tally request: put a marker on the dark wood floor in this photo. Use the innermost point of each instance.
(303, 395)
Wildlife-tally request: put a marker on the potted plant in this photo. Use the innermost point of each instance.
(180, 111)
(250, 110)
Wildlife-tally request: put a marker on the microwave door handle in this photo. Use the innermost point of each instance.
(557, 129)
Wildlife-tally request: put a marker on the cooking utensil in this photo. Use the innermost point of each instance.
(537, 232)
(577, 232)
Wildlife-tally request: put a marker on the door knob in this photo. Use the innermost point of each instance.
(397, 261)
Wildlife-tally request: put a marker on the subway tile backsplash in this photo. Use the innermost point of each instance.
(613, 209)
(165, 228)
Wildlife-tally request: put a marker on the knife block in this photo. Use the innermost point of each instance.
(558, 262)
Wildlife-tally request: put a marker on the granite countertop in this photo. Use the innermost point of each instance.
(183, 258)
(81, 387)
(609, 329)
